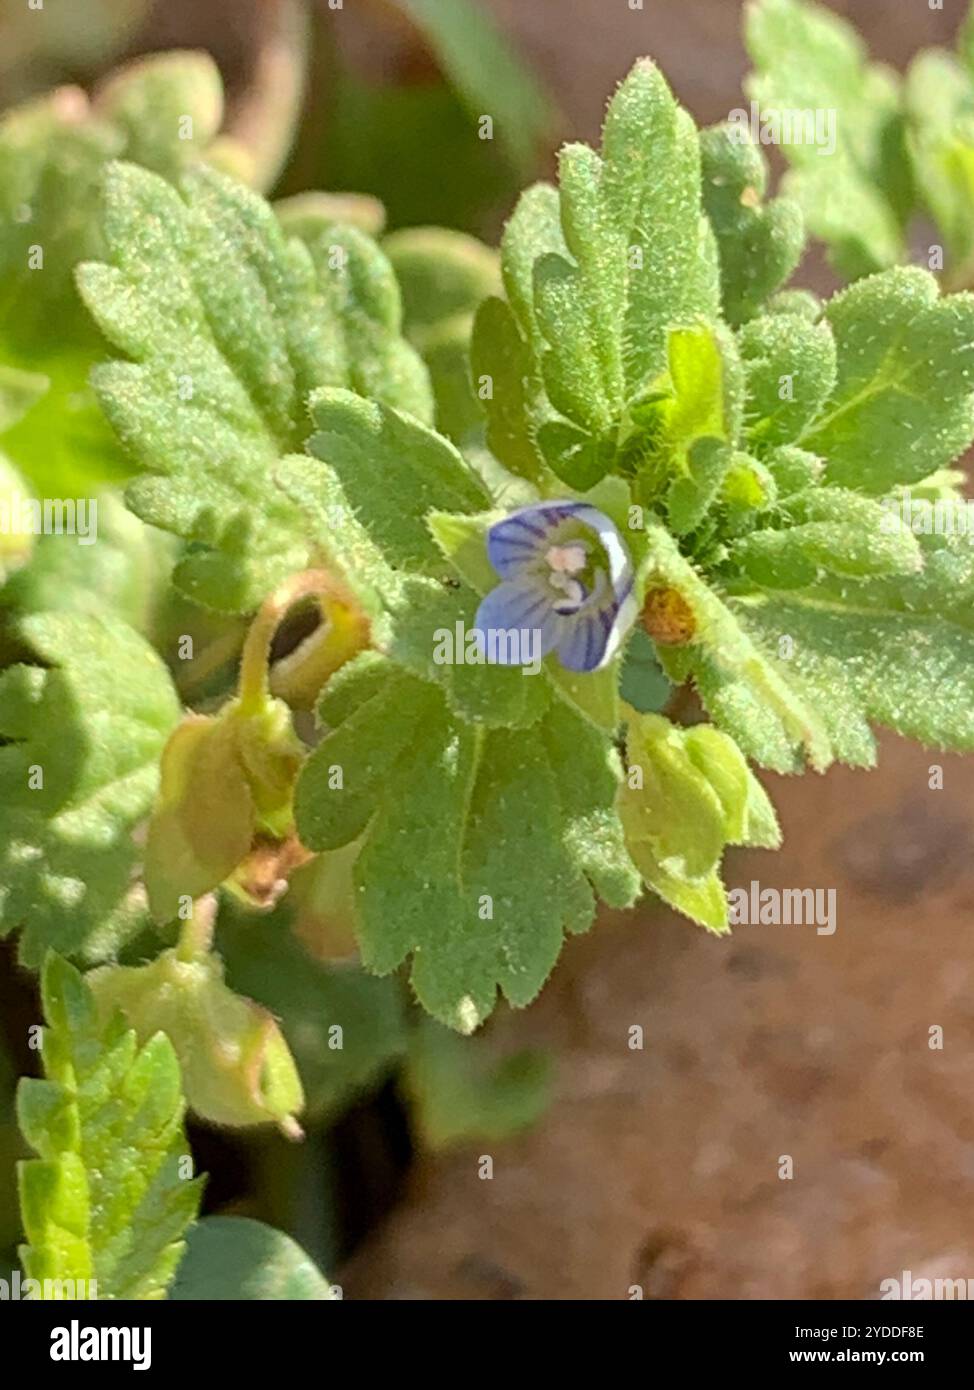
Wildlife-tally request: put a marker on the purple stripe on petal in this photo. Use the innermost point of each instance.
(523, 522)
(509, 554)
(515, 603)
(582, 648)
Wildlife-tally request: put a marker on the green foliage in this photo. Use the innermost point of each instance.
(126, 573)
(899, 656)
(688, 794)
(791, 367)
(229, 326)
(79, 769)
(106, 1200)
(854, 196)
(480, 845)
(162, 112)
(233, 1259)
(236, 1066)
(292, 397)
(902, 148)
(595, 275)
(760, 243)
(902, 406)
(444, 276)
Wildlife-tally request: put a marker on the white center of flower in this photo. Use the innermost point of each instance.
(565, 561)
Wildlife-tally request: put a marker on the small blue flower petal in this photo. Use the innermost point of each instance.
(520, 539)
(543, 590)
(522, 606)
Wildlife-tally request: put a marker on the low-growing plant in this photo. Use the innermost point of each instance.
(404, 549)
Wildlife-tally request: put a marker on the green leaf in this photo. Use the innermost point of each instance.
(694, 411)
(234, 1259)
(939, 97)
(829, 529)
(745, 689)
(392, 471)
(898, 652)
(760, 244)
(596, 276)
(125, 574)
(501, 359)
(855, 196)
(306, 215)
(463, 541)
(631, 222)
(903, 404)
(643, 685)
(486, 73)
(480, 844)
(230, 327)
(107, 1200)
(365, 492)
(160, 111)
(457, 1094)
(688, 794)
(791, 367)
(364, 305)
(79, 771)
(168, 107)
(444, 275)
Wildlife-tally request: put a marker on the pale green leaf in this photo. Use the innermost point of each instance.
(851, 179)
(107, 1201)
(903, 404)
(79, 770)
(230, 327)
(480, 844)
(232, 1259)
(791, 367)
(688, 793)
(760, 243)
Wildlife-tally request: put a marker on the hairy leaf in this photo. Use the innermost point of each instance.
(79, 770)
(688, 794)
(230, 327)
(162, 112)
(760, 244)
(480, 844)
(903, 404)
(851, 178)
(107, 1201)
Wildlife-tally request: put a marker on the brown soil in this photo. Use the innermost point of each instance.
(660, 1167)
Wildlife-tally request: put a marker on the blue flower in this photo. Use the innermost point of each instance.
(566, 579)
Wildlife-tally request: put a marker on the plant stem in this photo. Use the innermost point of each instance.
(255, 658)
(196, 933)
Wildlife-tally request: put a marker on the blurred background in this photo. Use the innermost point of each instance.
(655, 1167)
